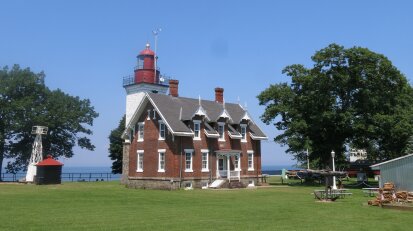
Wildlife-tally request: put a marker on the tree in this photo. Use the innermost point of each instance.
(350, 97)
(26, 101)
(116, 146)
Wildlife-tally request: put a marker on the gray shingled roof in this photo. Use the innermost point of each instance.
(170, 108)
(256, 131)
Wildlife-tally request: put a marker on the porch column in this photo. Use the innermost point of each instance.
(228, 169)
(217, 172)
(239, 167)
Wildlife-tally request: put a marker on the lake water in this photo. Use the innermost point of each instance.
(277, 169)
(105, 173)
(75, 174)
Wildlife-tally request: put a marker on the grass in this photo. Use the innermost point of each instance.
(110, 206)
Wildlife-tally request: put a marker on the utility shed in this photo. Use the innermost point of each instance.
(399, 171)
(49, 171)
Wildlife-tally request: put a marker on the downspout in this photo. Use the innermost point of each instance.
(256, 156)
(180, 162)
(209, 158)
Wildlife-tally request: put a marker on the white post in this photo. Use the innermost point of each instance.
(308, 160)
(218, 176)
(228, 170)
(334, 169)
(239, 167)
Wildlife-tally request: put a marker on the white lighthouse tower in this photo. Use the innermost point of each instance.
(147, 78)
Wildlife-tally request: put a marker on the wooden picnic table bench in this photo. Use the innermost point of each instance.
(340, 193)
(370, 191)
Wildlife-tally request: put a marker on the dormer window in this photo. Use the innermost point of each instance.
(243, 132)
(221, 129)
(197, 130)
(162, 130)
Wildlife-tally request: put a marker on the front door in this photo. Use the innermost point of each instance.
(222, 167)
(221, 164)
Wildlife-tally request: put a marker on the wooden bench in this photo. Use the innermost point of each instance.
(341, 193)
(370, 191)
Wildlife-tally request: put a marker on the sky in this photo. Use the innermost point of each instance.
(85, 48)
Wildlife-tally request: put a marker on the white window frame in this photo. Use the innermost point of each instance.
(141, 128)
(204, 184)
(237, 163)
(188, 185)
(203, 153)
(250, 166)
(191, 152)
(139, 158)
(197, 122)
(160, 153)
(162, 124)
(223, 131)
(243, 129)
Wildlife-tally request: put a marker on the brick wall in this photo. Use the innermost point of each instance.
(175, 156)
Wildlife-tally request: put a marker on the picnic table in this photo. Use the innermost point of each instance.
(370, 191)
(334, 193)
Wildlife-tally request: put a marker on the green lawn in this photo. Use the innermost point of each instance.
(110, 206)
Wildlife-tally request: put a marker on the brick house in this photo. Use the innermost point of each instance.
(174, 142)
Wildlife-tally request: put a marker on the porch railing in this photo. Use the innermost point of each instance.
(235, 174)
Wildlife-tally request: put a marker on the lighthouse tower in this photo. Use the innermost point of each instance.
(147, 78)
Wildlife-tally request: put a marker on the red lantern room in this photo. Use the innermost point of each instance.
(145, 70)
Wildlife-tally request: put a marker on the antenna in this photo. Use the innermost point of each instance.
(155, 34)
(199, 100)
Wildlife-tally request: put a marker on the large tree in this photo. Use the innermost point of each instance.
(116, 146)
(348, 98)
(26, 101)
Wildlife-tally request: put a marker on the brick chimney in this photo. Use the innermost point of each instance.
(219, 95)
(173, 87)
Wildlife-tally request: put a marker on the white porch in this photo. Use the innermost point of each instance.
(227, 167)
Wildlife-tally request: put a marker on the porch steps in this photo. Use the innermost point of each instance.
(217, 183)
(236, 184)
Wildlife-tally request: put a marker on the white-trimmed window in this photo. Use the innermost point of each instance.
(188, 160)
(188, 185)
(205, 157)
(250, 160)
(197, 130)
(141, 131)
(237, 163)
(243, 132)
(162, 130)
(221, 131)
(161, 160)
(139, 161)
(204, 184)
